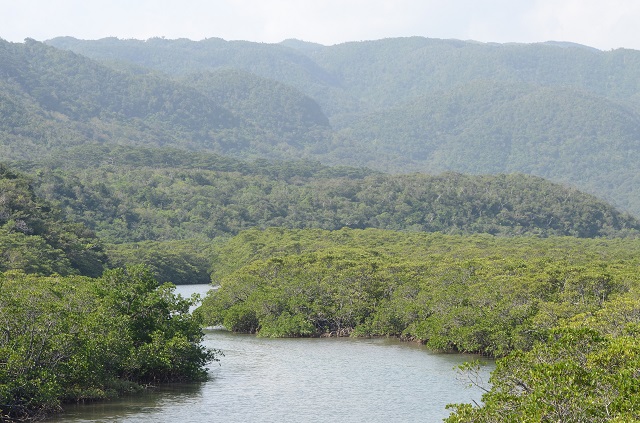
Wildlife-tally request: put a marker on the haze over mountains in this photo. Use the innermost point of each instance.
(561, 111)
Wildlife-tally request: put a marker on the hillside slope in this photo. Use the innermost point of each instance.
(561, 134)
(138, 194)
(35, 238)
(356, 76)
(561, 111)
(52, 100)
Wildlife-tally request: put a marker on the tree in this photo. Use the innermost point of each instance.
(575, 376)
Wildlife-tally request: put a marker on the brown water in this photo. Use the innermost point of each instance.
(300, 380)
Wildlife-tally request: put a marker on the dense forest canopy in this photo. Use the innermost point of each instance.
(562, 312)
(442, 289)
(563, 112)
(34, 237)
(133, 195)
(75, 339)
(76, 329)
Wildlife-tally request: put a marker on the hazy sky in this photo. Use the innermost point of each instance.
(604, 24)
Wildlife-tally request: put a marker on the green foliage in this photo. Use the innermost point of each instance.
(478, 294)
(299, 295)
(75, 338)
(562, 314)
(178, 262)
(575, 376)
(132, 195)
(564, 112)
(35, 238)
(286, 325)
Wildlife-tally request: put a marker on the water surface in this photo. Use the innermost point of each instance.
(300, 380)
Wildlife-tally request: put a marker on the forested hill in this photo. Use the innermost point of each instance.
(491, 127)
(51, 100)
(563, 112)
(130, 195)
(557, 110)
(365, 76)
(35, 238)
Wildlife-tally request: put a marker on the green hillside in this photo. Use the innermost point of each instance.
(275, 113)
(388, 72)
(564, 113)
(54, 99)
(132, 195)
(183, 57)
(564, 135)
(35, 238)
(561, 111)
(369, 75)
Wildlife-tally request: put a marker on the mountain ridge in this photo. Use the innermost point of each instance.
(395, 105)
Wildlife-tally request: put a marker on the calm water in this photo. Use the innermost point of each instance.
(300, 380)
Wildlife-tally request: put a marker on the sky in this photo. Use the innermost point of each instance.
(603, 24)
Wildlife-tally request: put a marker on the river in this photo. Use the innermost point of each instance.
(299, 380)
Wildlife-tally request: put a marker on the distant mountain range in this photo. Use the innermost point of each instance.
(560, 111)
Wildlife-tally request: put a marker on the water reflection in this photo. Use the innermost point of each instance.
(328, 380)
(142, 407)
(294, 380)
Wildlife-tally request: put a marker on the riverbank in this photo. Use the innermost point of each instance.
(79, 339)
(316, 380)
